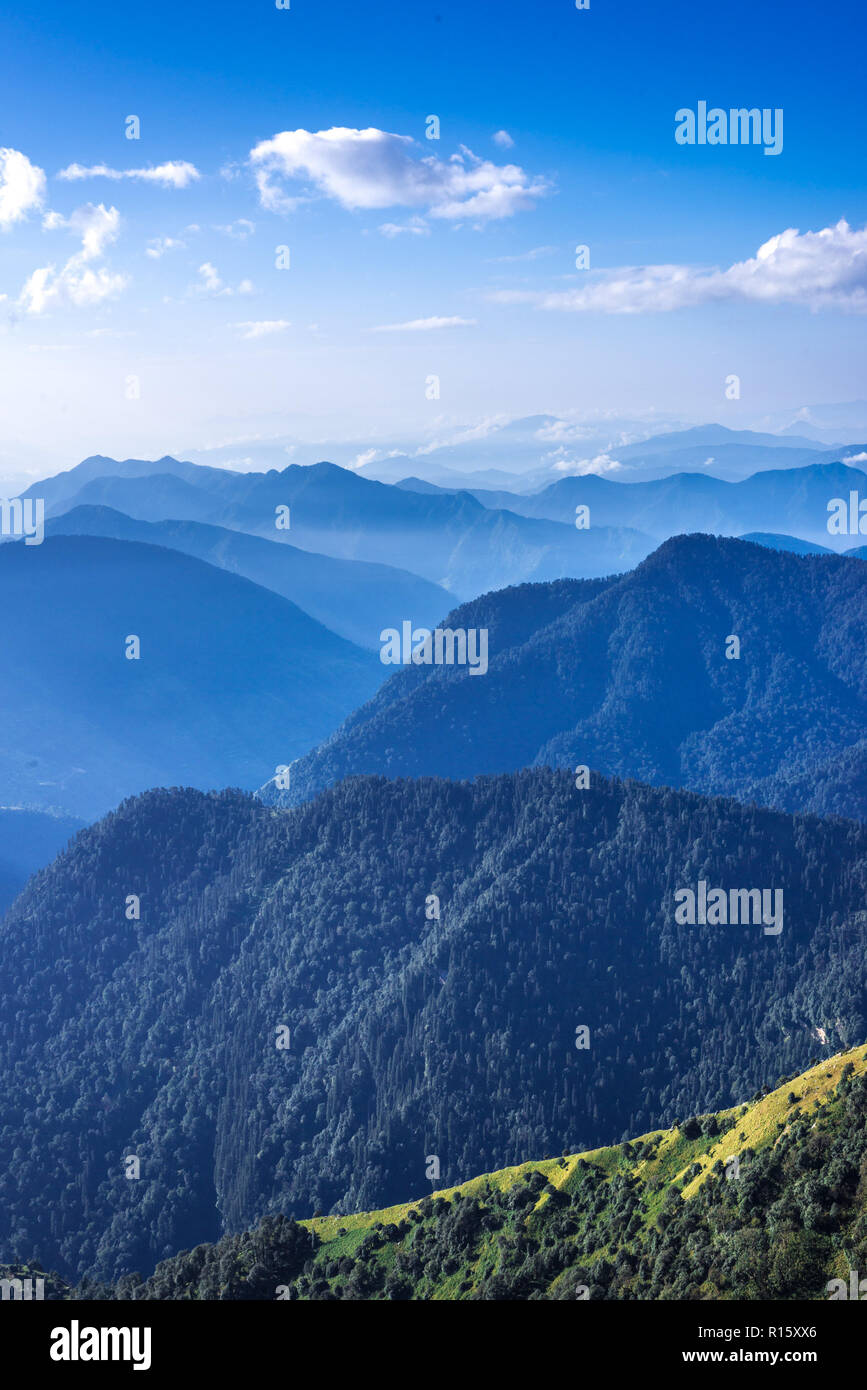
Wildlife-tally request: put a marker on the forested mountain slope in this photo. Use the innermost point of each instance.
(409, 1034)
(632, 678)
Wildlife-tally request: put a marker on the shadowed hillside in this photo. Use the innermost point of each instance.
(631, 677)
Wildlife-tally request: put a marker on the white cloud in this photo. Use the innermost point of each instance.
(483, 429)
(424, 325)
(238, 230)
(367, 456)
(856, 458)
(366, 169)
(210, 279)
(263, 328)
(372, 456)
(158, 246)
(819, 270)
(97, 225)
(211, 283)
(415, 226)
(580, 425)
(176, 173)
(22, 187)
(72, 285)
(503, 139)
(579, 468)
(77, 283)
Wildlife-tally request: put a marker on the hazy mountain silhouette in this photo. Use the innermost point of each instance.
(232, 681)
(354, 598)
(28, 841)
(783, 500)
(791, 543)
(450, 539)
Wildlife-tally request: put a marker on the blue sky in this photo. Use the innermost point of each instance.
(144, 315)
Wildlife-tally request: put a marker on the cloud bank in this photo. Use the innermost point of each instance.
(819, 270)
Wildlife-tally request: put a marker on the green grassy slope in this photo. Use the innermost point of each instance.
(611, 1206)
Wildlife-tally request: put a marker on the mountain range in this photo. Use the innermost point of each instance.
(453, 940)
(464, 542)
(453, 541)
(792, 500)
(526, 454)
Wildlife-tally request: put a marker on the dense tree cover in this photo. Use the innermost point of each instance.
(247, 1266)
(631, 678)
(408, 1036)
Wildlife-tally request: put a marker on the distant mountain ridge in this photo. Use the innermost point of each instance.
(791, 500)
(524, 455)
(450, 540)
(435, 529)
(792, 543)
